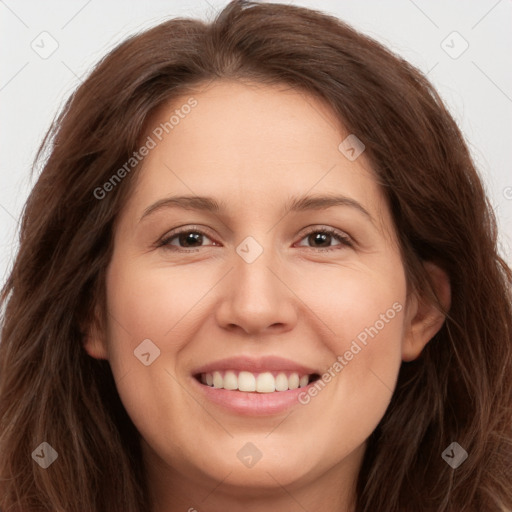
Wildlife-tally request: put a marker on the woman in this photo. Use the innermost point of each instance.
(175, 339)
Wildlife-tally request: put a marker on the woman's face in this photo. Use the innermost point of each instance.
(257, 294)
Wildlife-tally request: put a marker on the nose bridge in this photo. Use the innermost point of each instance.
(255, 298)
(254, 280)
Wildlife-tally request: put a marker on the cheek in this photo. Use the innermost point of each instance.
(356, 304)
(149, 323)
(357, 385)
(152, 304)
(143, 305)
(364, 314)
(369, 353)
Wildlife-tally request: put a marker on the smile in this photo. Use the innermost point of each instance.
(249, 382)
(254, 386)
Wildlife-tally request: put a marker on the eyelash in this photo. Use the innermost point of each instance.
(345, 241)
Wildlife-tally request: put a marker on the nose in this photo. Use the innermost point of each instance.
(256, 297)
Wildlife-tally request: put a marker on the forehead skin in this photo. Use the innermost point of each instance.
(253, 161)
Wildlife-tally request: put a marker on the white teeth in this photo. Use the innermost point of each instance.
(293, 381)
(246, 381)
(218, 381)
(264, 382)
(281, 382)
(230, 380)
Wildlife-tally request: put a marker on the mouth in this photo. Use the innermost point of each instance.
(255, 382)
(254, 386)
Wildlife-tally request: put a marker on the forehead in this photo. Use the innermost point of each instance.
(250, 144)
(250, 124)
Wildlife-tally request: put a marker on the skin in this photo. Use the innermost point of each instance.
(253, 146)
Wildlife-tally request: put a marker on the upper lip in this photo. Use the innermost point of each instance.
(255, 365)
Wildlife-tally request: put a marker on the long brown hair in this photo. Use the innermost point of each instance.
(458, 390)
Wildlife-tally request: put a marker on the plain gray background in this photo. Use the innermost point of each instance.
(463, 46)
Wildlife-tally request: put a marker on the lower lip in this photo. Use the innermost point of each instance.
(253, 404)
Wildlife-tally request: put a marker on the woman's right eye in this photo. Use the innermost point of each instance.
(185, 237)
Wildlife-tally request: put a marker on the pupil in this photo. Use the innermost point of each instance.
(191, 237)
(320, 237)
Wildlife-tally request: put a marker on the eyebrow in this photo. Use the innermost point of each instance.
(294, 204)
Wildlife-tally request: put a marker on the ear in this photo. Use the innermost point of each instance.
(423, 318)
(94, 341)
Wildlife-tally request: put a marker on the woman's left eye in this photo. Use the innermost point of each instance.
(325, 236)
(193, 238)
